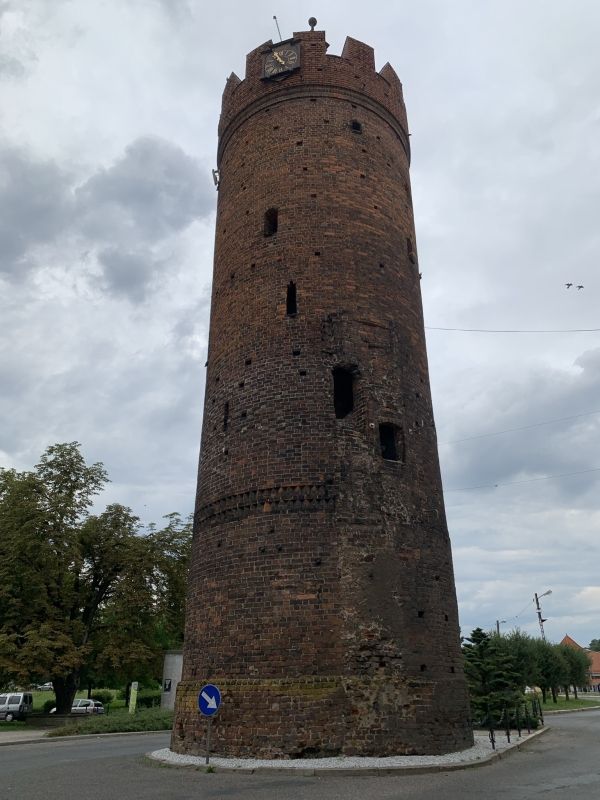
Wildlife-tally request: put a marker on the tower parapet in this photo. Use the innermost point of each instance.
(351, 75)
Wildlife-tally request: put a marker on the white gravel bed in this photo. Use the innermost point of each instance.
(481, 750)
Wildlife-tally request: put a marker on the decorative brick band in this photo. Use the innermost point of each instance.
(274, 499)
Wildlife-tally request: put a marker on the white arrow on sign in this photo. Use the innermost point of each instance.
(211, 702)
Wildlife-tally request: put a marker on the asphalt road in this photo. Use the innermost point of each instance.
(564, 763)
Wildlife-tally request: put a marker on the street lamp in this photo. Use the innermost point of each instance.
(539, 611)
(498, 623)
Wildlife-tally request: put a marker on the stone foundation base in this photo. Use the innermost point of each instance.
(315, 717)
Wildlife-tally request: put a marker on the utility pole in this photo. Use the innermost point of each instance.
(541, 620)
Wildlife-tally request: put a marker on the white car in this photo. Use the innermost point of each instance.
(84, 707)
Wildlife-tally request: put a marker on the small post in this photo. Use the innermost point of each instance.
(507, 723)
(518, 720)
(208, 724)
(492, 735)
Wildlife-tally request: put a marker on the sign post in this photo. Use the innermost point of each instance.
(209, 701)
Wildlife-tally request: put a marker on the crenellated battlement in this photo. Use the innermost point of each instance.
(352, 74)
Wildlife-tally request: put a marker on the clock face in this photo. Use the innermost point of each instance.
(281, 59)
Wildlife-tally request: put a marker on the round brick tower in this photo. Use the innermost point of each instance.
(321, 597)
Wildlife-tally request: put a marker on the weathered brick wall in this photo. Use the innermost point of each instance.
(322, 596)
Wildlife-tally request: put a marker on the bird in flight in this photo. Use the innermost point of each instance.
(568, 285)
(580, 286)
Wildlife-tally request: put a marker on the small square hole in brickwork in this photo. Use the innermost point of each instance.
(244, 414)
(317, 252)
(275, 127)
(241, 384)
(270, 228)
(343, 392)
(446, 617)
(420, 614)
(248, 361)
(304, 169)
(423, 667)
(296, 352)
(451, 669)
(302, 372)
(291, 305)
(299, 144)
(356, 126)
(362, 175)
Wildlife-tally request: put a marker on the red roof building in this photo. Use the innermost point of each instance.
(594, 670)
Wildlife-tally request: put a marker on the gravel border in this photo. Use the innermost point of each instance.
(476, 756)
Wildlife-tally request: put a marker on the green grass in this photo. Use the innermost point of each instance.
(120, 721)
(569, 705)
(39, 698)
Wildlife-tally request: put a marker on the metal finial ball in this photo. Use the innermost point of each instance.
(312, 22)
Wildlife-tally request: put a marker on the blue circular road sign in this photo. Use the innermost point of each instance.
(209, 700)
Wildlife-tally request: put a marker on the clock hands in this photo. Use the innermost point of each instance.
(278, 57)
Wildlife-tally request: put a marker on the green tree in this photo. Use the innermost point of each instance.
(578, 664)
(595, 645)
(80, 594)
(553, 669)
(492, 675)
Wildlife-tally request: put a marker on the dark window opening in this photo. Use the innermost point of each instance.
(226, 416)
(390, 442)
(451, 669)
(343, 392)
(356, 126)
(270, 222)
(420, 614)
(423, 667)
(291, 306)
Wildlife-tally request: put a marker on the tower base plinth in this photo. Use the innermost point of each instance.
(312, 717)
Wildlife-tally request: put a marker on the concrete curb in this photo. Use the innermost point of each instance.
(571, 710)
(366, 771)
(46, 738)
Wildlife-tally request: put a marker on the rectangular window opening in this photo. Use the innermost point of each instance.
(343, 392)
(291, 305)
(225, 416)
(391, 442)
(270, 222)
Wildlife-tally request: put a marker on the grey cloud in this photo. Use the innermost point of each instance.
(36, 204)
(127, 273)
(556, 448)
(11, 67)
(154, 190)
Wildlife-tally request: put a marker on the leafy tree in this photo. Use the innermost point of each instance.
(553, 669)
(492, 675)
(595, 645)
(578, 664)
(82, 595)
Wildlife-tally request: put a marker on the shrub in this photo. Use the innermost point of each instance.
(105, 696)
(151, 719)
(148, 698)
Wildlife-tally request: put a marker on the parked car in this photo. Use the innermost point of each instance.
(84, 707)
(45, 687)
(15, 705)
(87, 707)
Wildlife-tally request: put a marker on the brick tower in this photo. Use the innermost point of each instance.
(322, 598)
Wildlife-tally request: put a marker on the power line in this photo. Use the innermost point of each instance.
(528, 480)
(522, 428)
(493, 330)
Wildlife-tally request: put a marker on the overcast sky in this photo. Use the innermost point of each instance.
(108, 119)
